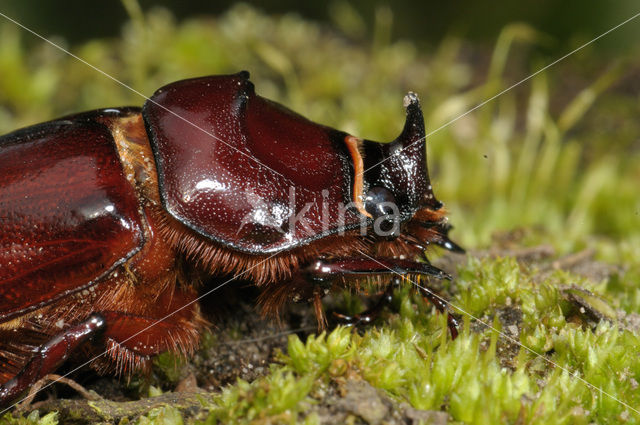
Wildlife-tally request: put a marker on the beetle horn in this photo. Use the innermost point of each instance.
(401, 166)
(413, 132)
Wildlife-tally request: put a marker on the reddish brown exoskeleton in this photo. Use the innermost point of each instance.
(106, 217)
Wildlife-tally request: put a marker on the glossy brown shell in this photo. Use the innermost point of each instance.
(68, 216)
(242, 166)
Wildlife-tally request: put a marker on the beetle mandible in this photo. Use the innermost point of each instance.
(106, 216)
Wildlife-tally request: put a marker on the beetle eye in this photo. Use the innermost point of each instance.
(380, 201)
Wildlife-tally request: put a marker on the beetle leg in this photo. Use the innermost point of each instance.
(49, 356)
(324, 273)
(133, 335)
(438, 302)
(368, 316)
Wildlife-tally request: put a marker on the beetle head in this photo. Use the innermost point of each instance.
(396, 180)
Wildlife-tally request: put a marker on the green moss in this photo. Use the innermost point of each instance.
(161, 416)
(169, 365)
(280, 396)
(413, 360)
(32, 418)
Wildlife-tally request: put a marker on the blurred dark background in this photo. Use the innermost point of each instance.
(568, 22)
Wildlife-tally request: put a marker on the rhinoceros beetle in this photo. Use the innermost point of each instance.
(105, 215)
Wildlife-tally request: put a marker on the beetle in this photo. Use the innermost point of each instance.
(107, 217)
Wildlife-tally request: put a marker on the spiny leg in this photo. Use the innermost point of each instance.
(324, 272)
(49, 356)
(438, 302)
(327, 270)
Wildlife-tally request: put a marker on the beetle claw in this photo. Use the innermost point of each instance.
(368, 316)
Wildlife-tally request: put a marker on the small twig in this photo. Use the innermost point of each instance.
(571, 260)
(84, 411)
(52, 377)
(532, 253)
